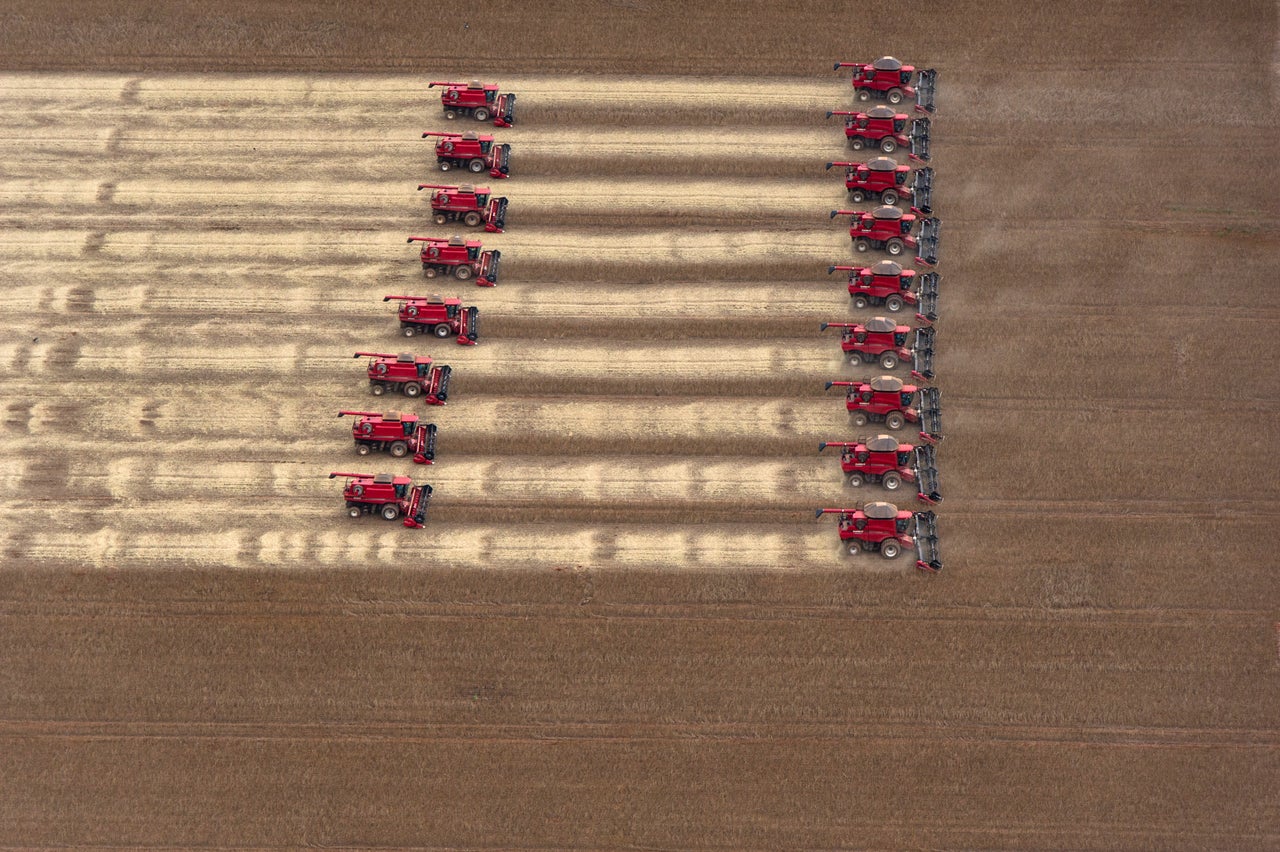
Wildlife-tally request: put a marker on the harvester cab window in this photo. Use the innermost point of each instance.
(866, 396)
(866, 280)
(451, 311)
(859, 523)
(408, 426)
(900, 338)
(485, 146)
(401, 490)
(860, 336)
(489, 95)
(906, 399)
(901, 178)
(904, 226)
(898, 124)
(473, 252)
(904, 76)
(863, 455)
(904, 459)
(901, 525)
(422, 369)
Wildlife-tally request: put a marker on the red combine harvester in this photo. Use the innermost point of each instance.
(886, 399)
(472, 205)
(880, 127)
(881, 340)
(386, 495)
(478, 100)
(458, 257)
(395, 433)
(889, 228)
(883, 178)
(888, 79)
(438, 315)
(887, 283)
(884, 460)
(473, 152)
(880, 526)
(409, 375)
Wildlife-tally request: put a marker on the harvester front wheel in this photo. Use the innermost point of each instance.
(888, 360)
(861, 245)
(462, 272)
(353, 511)
(894, 246)
(472, 219)
(399, 449)
(858, 418)
(888, 144)
(891, 481)
(390, 511)
(480, 114)
(408, 331)
(363, 449)
(855, 480)
(412, 389)
(442, 330)
(890, 549)
(893, 304)
(857, 196)
(377, 390)
(476, 165)
(889, 196)
(894, 96)
(895, 420)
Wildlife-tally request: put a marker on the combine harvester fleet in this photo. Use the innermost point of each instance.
(888, 228)
(471, 205)
(883, 460)
(881, 340)
(438, 315)
(407, 374)
(888, 284)
(887, 79)
(883, 527)
(471, 151)
(397, 433)
(884, 179)
(479, 100)
(383, 494)
(461, 258)
(886, 399)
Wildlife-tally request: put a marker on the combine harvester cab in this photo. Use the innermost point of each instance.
(409, 375)
(879, 127)
(884, 528)
(464, 259)
(922, 353)
(473, 152)
(924, 463)
(927, 244)
(918, 141)
(479, 100)
(888, 400)
(878, 460)
(397, 433)
(878, 340)
(471, 205)
(387, 495)
(886, 228)
(438, 315)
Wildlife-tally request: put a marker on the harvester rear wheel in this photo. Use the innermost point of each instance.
(888, 360)
(861, 302)
(895, 420)
(857, 196)
(412, 389)
(893, 304)
(888, 144)
(858, 418)
(894, 246)
(363, 449)
(861, 245)
(855, 480)
(450, 114)
(429, 271)
(853, 547)
(354, 511)
(472, 219)
(377, 390)
(890, 549)
(864, 95)
(480, 114)
(889, 196)
(399, 449)
(462, 272)
(440, 218)
(408, 331)
(390, 511)
(894, 96)
(442, 330)
(476, 165)
(891, 481)
(445, 165)
(857, 143)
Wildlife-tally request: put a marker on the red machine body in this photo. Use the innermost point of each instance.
(478, 100)
(884, 179)
(409, 375)
(438, 315)
(471, 205)
(885, 228)
(879, 127)
(883, 527)
(879, 339)
(459, 257)
(471, 151)
(888, 79)
(398, 433)
(886, 399)
(888, 284)
(882, 459)
(383, 494)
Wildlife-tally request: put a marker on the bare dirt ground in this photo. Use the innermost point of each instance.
(622, 627)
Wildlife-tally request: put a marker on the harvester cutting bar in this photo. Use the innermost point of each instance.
(416, 515)
(927, 242)
(504, 116)
(926, 90)
(922, 191)
(424, 444)
(470, 328)
(925, 535)
(500, 161)
(919, 140)
(925, 465)
(931, 414)
(922, 353)
(927, 297)
(439, 388)
(488, 274)
(496, 219)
